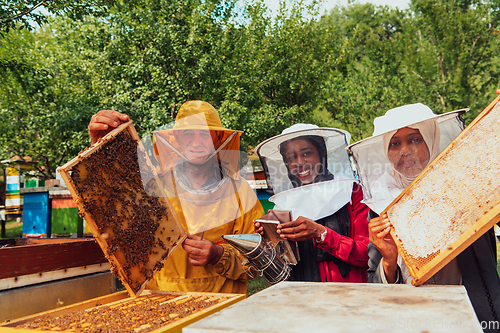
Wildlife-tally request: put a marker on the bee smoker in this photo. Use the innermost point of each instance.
(261, 255)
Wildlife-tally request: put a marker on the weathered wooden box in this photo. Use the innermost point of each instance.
(136, 231)
(153, 311)
(453, 202)
(325, 307)
(27, 261)
(40, 274)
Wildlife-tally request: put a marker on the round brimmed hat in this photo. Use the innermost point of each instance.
(315, 200)
(407, 115)
(215, 199)
(199, 115)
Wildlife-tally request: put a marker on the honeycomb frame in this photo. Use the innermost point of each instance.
(153, 311)
(136, 232)
(473, 216)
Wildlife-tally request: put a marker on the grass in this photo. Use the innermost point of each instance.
(13, 230)
(498, 258)
(256, 285)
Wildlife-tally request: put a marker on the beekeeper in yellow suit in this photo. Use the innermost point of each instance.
(199, 170)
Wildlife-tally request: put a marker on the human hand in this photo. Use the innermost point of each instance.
(201, 251)
(301, 229)
(378, 230)
(258, 228)
(104, 122)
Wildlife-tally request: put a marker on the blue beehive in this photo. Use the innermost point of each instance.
(263, 197)
(36, 214)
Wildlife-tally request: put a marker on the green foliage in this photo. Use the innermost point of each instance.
(275, 74)
(43, 110)
(256, 285)
(262, 72)
(282, 62)
(13, 230)
(440, 53)
(368, 83)
(24, 14)
(150, 58)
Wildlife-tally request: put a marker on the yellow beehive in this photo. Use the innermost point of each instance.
(136, 231)
(153, 311)
(453, 202)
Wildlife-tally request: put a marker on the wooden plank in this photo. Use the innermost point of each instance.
(136, 231)
(346, 307)
(58, 202)
(20, 302)
(30, 279)
(38, 258)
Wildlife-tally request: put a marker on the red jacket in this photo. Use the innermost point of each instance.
(353, 249)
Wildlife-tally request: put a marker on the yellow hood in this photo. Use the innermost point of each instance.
(202, 116)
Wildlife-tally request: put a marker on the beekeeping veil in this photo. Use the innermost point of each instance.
(332, 187)
(215, 202)
(380, 181)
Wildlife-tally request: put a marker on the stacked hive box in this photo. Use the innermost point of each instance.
(65, 219)
(137, 232)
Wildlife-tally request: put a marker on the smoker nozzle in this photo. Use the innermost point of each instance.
(245, 243)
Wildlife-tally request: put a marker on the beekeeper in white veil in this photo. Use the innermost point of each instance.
(309, 171)
(475, 267)
(405, 140)
(384, 169)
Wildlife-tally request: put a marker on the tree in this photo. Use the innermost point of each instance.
(452, 53)
(45, 103)
(24, 13)
(149, 58)
(263, 73)
(153, 57)
(275, 76)
(369, 81)
(440, 53)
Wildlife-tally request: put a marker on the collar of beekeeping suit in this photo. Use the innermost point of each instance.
(381, 183)
(331, 188)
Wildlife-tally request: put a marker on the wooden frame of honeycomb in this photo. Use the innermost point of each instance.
(136, 231)
(152, 311)
(453, 202)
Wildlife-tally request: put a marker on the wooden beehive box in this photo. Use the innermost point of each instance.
(29, 260)
(152, 311)
(136, 231)
(453, 202)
